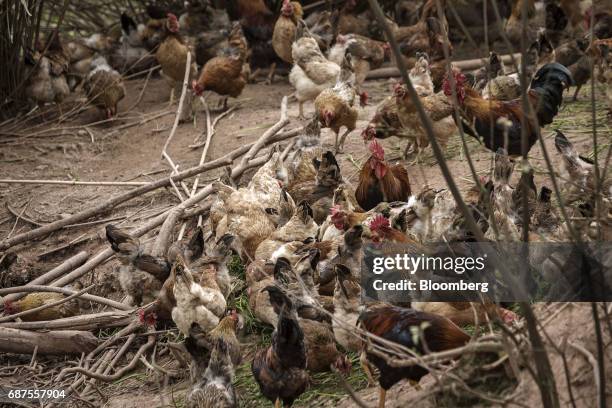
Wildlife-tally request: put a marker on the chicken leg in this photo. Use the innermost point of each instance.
(342, 139)
(270, 79)
(363, 361)
(277, 403)
(301, 112)
(381, 398)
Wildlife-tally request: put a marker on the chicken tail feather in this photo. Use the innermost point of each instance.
(549, 83)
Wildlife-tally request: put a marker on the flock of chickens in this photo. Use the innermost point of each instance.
(298, 225)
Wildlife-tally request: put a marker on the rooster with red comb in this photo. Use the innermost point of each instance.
(379, 181)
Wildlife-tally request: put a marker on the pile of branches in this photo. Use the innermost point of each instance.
(100, 360)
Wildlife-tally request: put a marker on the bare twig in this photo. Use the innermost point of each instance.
(119, 373)
(593, 361)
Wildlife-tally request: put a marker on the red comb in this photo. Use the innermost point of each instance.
(377, 150)
(379, 222)
(335, 209)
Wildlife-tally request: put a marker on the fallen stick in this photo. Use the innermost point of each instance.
(77, 183)
(39, 288)
(47, 306)
(177, 118)
(50, 342)
(112, 363)
(110, 204)
(54, 273)
(282, 122)
(465, 65)
(22, 216)
(82, 322)
(119, 373)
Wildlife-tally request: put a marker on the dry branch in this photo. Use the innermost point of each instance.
(119, 373)
(83, 322)
(442, 356)
(49, 342)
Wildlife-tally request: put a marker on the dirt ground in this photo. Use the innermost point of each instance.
(129, 149)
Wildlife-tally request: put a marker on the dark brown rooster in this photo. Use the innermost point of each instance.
(398, 325)
(380, 181)
(280, 370)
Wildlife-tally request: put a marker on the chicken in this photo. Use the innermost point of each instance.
(319, 192)
(312, 72)
(428, 35)
(201, 16)
(545, 95)
(578, 173)
(346, 250)
(383, 232)
(196, 303)
(366, 54)
(379, 181)
(355, 17)
(141, 275)
(212, 385)
(225, 73)
(385, 123)
(210, 44)
(257, 20)
(603, 67)
(405, 326)
(298, 228)
(132, 55)
(504, 214)
(217, 259)
(105, 87)
(285, 29)
(555, 23)
(280, 370)
(335, 107)
(320, 345)
(82, 53)
(225, 331)
(544, 221)
(48, 83)
(493, 68)
(602, 20)
(320, 26)
(37, 299)
(514, 25)
(347, 295)
(254, 212)
(172, 56)
(300, 162)
(299, 282)
(436, 105)
(524, 185)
